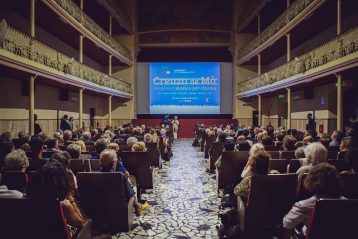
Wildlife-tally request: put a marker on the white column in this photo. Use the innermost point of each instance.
(259, 64)
(288, 108)
(259, 98)
(31, 105)
(81, 49)
(110, 111)
(32, 18)
(80, 111)
(288, 37)
(339, 102)
(110, 65)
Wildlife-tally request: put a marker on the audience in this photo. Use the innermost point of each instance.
(16, 160)
(74, 150)
(343, 148)
(36, 160)
(315, 154)
(322, 181)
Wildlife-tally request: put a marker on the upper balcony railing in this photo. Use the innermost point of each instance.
(29, 48)
(116, 10)
(71, 8)
(294, 13)
(343, 45)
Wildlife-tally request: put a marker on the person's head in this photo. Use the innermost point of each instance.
(65, 117)
(256, 148)
(345, 144)
(300, 153)
(35, 117)
(52, 143)
(67, 135)
(337, 136)
(86, 135)
(5, 137)
(50, 182)
(74, 150)
(23, 137)
(139, 147)
(147, 138)
(36, 145)
(114, 146)
(323, 180)
(100, 145)
(241, 139)
(316, 153)
(279, 136)
(108, 159)
(222, 137)
(163, 131)
(131, 141)
(309, 116)
(61, 157)
(289, 142)
(260, 162)
(267, 140)
(16, 160)
(81, 144)
(308, 139)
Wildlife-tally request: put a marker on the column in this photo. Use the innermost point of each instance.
(339, 17)
(31, 105)
(80, 118)
(32, 18)
(288, 108)
(110, 111)
(259, 109)
(110, 65)
(81, 4)
(288, 37)
(81, 49)
(110, 25)
(339, 102)
(258, 24)
(259, 64)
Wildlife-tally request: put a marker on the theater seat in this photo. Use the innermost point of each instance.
(287, 155)
(270, 198)
(214, 153)
(293, 166)
(302, 193)
(233, 163)
(154, 155)
(138, 164)
(79, 165)
(332, 154)
(332, 219)
(274, 154)
(25, 218)
(279, 165)
(102, 198)
(340, 164)
(351, 185)
(15, 180)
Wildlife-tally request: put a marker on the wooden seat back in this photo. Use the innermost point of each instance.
(287, 155)
(279, 165)
(214, 153)
(293, 166)
(350, 182)
(340, 164)
(15, 180)
(332, 154)
(274, 154)
(154, 155)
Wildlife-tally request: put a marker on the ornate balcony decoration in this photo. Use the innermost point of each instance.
(81, 18)
(116, 10)
(342, 46)
(294, 13)
(25, 46)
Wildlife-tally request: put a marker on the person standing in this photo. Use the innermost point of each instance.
(37, 128)
(175, 125)
(64, 123)
(311, 125)
(166, 119)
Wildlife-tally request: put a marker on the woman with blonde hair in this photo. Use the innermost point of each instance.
(139, 147)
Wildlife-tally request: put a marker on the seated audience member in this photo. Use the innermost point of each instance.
(259, 165)
(74, 150)
(108, 159)
(67, 137)
(221, 137)
(82, 145)
(139, 147)
(255, 149)
(6, 137)
(228, 146)
(300, 153)
(64, 158)
(322, 181)
(289, 143)
(16, 160)
(6, 193)
(52, 145)
(131, 141)
(51, 182)
(100, 145)
(5, 148)
(23, 138)
(279, 138)
(267, 140)
(120, 167)
(242, 144)
(308, 139)
(147, 138)
(343, 148)
(36, 160)
(336, 138)
(315, 153)
(325, 140)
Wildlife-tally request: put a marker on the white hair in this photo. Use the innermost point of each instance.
(15, 160)
(163, 131)
(147, 138)
(131, 141)
(254, 148)
(316, 153)
(107, 157)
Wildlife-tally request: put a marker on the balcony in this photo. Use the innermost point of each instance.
(295, 13)
(336, 55)
(73, 15)
(25, 53)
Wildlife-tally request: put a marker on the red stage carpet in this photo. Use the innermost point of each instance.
(186, 125)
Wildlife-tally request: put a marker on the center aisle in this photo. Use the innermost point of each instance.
(184, 203)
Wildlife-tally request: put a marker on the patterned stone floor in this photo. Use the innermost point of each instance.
(184, 202)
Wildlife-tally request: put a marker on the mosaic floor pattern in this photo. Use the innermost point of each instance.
(184, 203)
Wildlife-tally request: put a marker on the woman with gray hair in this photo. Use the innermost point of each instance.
(131, 140)
(147, 138)
(315, 153)
(16, 160)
